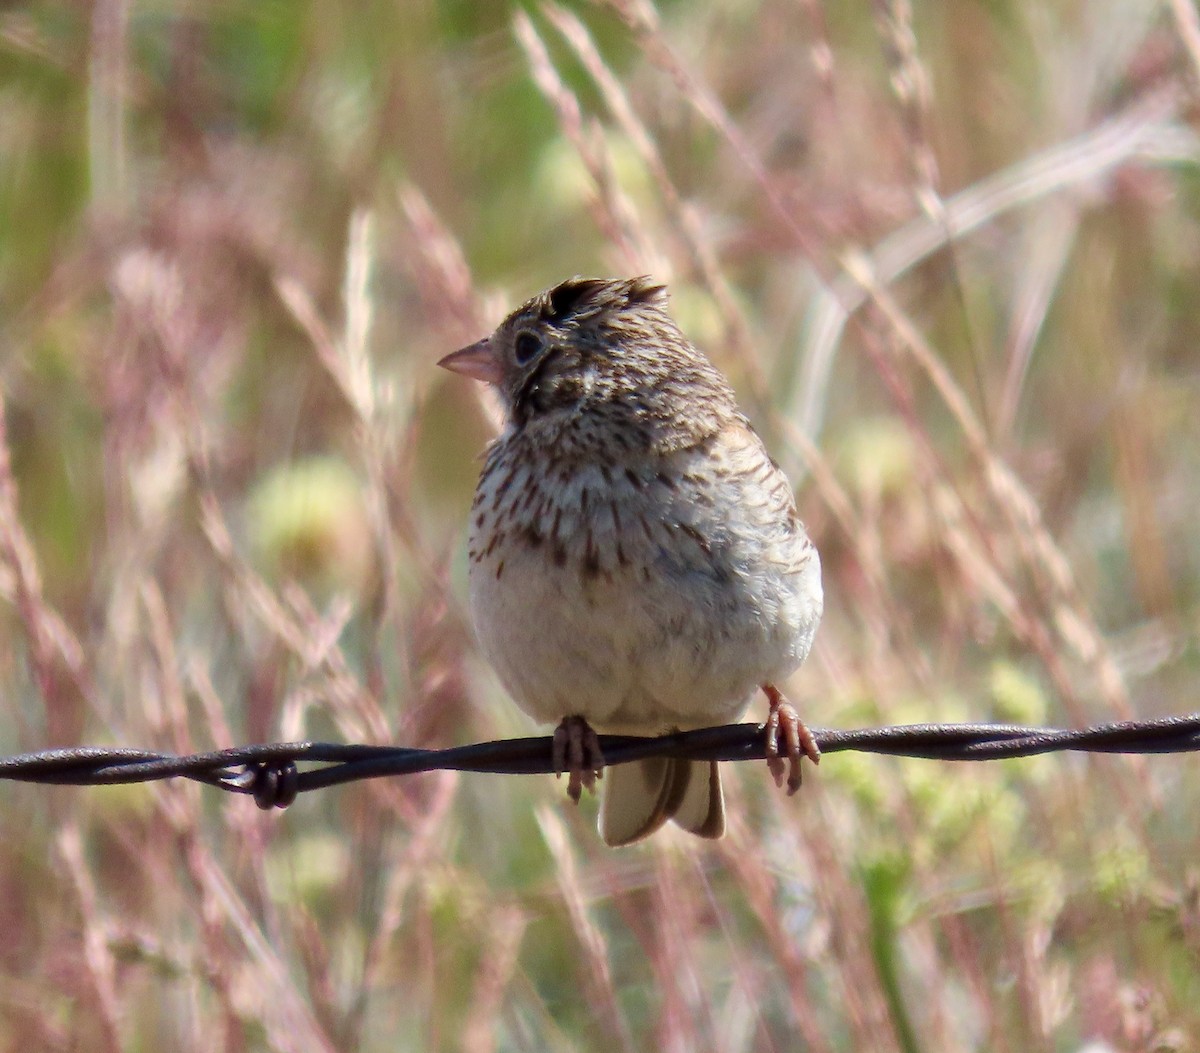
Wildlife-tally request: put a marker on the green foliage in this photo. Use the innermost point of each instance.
(234, 240)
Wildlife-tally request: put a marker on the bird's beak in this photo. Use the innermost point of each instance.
(479, 361)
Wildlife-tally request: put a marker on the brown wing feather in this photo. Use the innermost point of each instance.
(768, 497)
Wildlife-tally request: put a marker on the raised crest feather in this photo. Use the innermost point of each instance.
(563, 299)
(585, 296)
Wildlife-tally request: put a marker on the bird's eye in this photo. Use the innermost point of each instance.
(526, 347)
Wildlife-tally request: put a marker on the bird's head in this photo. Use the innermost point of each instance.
(595, 352)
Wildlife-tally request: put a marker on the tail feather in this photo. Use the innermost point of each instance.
(640, 797)
(701, 810)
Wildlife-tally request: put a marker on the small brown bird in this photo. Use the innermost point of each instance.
(636, 562)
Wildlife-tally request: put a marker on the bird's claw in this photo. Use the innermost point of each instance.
(783, 721)
(577, 752)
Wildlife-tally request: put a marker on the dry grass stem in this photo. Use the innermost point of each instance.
(595, 967)
(736, 337)
(947, 256)
(612, 210)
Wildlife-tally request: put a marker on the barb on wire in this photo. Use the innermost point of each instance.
(271, 775)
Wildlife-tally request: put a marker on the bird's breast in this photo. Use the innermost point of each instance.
(640, 594)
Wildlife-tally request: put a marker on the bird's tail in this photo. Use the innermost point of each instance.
(641, 796)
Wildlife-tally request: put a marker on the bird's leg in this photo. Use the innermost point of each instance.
(797, 739)
(577, 752)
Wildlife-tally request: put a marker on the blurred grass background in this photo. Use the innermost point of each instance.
(951, 259)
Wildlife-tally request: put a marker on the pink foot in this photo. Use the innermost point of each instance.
(577, 752)
(797, 740)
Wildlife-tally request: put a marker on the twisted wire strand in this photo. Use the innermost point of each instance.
(271, 774)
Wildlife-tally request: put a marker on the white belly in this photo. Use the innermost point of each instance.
(677, 632)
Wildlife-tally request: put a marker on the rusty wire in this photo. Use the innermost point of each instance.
(272, 773)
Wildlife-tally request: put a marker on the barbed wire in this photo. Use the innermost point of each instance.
(270, 773)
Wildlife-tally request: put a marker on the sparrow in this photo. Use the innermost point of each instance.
(637, 564)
